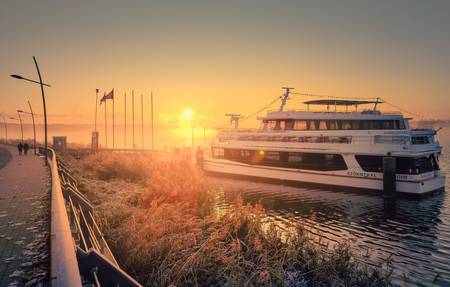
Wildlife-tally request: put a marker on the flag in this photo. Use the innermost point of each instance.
(108, 96)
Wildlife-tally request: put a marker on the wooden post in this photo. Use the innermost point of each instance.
(389, 179)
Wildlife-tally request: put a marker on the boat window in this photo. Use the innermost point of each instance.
(356, 125)
(322, 125)
(246, 154)
(376, 125)
(300, 125)
(218, 152)
(424, 164)
(346, 125)
(296, 160)
(270, 125)
(332, 125)
(387, 125)
(272, 156)
(289, 124)
(404, 165)
(420, 140)
(370, 163)
(295, 157)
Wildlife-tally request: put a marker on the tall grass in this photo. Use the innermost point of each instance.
(157, 214)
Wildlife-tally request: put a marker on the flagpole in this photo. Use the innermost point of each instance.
(132, 114)
(151, 102)
(142, 120)
(96, 102)
(106, 127)
(113, 118)
(125, 124)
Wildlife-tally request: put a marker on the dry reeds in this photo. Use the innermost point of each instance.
(157, 215)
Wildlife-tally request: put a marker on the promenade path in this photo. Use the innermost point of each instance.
(24, 213)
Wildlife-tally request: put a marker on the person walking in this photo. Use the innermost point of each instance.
(25, 148)
(20, 147)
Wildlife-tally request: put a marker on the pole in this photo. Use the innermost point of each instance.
(125, 124)
(142, 121)
(21, 126)
(151, 101)
(113, 119)
(96, 101)
(6, 130)
(132, 113)
(106, 126)
(34, 128)
(45, 109)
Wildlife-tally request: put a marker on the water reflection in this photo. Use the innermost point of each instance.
(415, 232)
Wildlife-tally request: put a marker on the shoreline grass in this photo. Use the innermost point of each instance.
(157, 214)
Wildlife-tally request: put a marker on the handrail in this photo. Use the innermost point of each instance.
(80, 255)
(63, 262)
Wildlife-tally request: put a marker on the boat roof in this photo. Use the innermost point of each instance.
(341, 102)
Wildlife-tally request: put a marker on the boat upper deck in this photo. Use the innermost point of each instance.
(342, 115)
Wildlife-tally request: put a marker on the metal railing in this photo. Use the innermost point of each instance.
(80, 254)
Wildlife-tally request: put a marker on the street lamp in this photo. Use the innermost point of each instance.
(20, 120)
(34, 126)
(43, 101)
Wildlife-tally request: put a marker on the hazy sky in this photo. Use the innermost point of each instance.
(224, 56)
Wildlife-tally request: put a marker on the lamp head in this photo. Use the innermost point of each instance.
(20, 111)
(17, 77)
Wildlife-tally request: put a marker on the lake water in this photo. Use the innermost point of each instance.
(415, 234)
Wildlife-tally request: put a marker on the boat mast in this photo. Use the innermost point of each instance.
(376, 103)
(234, 118)
(284, 98)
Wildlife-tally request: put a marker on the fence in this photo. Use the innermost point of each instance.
(80, 255)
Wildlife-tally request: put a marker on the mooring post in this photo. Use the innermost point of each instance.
(389, 180)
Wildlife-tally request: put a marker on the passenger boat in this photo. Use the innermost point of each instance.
(334, 147)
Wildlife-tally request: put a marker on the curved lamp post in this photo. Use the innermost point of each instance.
(34, 126)
(43, 101)
(20, 120)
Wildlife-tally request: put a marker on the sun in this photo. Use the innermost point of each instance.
(187, 115)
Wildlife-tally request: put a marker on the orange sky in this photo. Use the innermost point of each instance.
(217, 57)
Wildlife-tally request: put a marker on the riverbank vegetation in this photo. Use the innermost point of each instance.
(158, 215)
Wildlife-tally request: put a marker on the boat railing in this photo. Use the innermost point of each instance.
(79, 254)
(329, 111)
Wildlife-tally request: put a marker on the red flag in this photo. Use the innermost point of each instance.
(108, 96)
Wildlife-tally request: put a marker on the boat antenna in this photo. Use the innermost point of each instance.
(284, 98)
(234, 118)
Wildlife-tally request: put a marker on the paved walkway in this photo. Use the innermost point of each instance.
(24, 203)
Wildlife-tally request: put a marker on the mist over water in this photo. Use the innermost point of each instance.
(414, 234)
(80, 135)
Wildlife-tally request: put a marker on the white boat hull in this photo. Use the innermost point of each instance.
(223, 166)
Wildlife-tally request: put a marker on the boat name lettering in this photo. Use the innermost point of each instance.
(361, 174)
